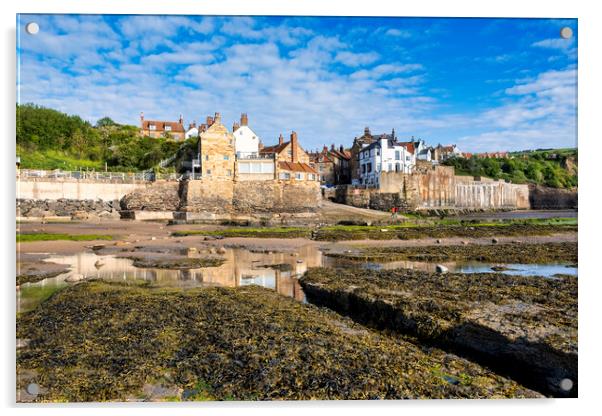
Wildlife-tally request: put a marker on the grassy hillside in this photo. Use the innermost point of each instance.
(49, 139)
(556, 168)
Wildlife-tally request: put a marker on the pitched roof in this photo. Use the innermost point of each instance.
(409, 146)
(296, 167)
(160, 125)
(274, 149)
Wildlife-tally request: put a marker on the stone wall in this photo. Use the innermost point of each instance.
(249, 197)
(542, 197)
(41, 189)
(158, 196)
(435, 188)
(207, 195)
(66, 208)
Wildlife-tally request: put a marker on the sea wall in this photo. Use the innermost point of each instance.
(249, 197)
(44, 208)
(435, 188)
(55, 189)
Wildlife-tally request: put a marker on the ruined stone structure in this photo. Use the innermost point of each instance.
(436, 187)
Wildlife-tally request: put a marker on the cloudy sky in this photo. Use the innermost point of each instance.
(485, 84)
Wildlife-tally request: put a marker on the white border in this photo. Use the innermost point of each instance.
(590, 71)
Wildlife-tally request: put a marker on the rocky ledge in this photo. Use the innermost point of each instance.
(524, 327)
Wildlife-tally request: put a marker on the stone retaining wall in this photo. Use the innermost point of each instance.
(249, 197)
(66, 208)
(435, 188)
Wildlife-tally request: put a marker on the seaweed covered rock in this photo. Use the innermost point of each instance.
(100, 341)
(525, 327)
(506, 253)
(410, 232)
(176, 262)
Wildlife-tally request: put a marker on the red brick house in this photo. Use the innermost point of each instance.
(156, 128)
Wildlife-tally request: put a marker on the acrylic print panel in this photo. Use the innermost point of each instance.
(294, 208)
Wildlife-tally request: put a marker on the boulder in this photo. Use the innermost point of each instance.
(74, 277)
(80, 215)
(441, 269)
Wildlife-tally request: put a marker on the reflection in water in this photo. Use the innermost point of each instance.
(544, 270)
(277, 271)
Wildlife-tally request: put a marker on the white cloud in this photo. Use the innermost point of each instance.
(356, 59)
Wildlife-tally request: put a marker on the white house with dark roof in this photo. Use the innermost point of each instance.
(385, 154)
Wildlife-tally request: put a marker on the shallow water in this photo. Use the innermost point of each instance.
(544, 270)
(275, 270)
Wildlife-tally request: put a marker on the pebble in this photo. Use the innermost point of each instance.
(494, 240)
(438, 241)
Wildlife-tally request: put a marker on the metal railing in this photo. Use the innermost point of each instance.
(120, 177)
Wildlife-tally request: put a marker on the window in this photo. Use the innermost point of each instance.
(408, 158)
(244, 167)
(285, 175)
(206, 157)
(208, 171)
(369, 167)
(397, 155)
(226, 157)
(229, 172)
(363, 168)
(299, 176)
(152, 127)
(240, 132)
(377, 152)
(167, 128)
(311, 177)
(267, 168)
(397, 167)
(390, 167)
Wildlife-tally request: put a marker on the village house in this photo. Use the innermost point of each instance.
(332, 165)
(216, 155)
(246, 140)
(156, 129)
(193, 131)
(493, 155)
(385, 154)
(442, 153)
(354, 162)
(291, 161)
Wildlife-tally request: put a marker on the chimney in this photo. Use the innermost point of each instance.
(202, 128)
(332, 147)
(294, 149)
(209, 121)
(280, 139)
(217, 118)
(235, 127)
(244, 119)
(325, 149)
(341, 149)
(181, 121)
(142, 116)
(366, 131)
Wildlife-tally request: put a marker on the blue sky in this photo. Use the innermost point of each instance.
(485, 84)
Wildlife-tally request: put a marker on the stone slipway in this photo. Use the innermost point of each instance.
(524, 327)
